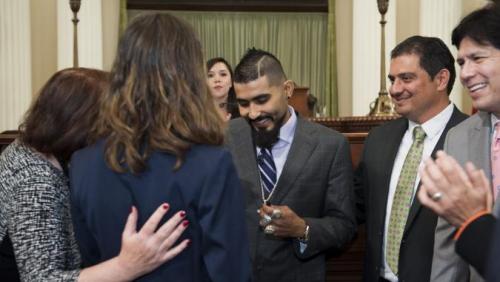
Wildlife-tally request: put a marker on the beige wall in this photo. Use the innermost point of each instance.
(110, 28)
(407, 19)
(343, 25)
(43, 42)
(44, 38)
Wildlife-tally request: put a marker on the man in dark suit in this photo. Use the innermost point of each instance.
(297, 176)
(400, 232)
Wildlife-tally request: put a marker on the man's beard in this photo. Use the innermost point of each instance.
(266, 138)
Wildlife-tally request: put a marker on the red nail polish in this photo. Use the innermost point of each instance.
(183, 214)
(165, 206)
(188, 242)
(131, 209)
(185, 223)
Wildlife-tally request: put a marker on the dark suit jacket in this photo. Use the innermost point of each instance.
(468, 141)
(316, 183)
(206, 186)
(372, 178)
(493, 273)
(475, 243)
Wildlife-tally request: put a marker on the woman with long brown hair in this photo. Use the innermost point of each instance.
(36, 232)
(160, 138)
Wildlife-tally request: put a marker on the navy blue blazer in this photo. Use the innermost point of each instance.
(206, 186)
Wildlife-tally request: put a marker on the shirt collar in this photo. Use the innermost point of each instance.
(287, 131)
(494, 120)
(436, 124)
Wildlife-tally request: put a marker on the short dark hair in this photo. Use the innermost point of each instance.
(232, 105)
(482, 26)
(60, 120)
(433, 53)
(257, 63)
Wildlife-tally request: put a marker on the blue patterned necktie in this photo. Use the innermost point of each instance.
(267, 171)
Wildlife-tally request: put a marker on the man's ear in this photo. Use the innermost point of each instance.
(288, 87)
(441, 79)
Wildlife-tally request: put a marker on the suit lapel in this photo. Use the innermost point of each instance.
(480, 143)
(246, 157)
(480, 148)
(387, 152)
(301, 149)
(455, 119)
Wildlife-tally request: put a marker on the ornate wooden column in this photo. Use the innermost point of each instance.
(15, 58)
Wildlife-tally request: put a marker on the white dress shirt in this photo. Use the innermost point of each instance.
(282, 147)
(433, 129)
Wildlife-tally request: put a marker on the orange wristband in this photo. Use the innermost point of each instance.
(467, 222)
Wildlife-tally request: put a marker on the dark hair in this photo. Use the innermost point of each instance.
(60, 119)
(213, 61)
(257, 63)
(482, 26)
(433, 53)
(159, 98)
(232, 106)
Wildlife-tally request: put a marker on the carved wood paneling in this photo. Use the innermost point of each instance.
(353, 124)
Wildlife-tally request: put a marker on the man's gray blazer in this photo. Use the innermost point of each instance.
(468, 141)
(316, 183)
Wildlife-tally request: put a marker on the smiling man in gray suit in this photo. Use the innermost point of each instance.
(297, 176)
(477, 38)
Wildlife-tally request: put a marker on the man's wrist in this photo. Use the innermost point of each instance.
(305, 236)
(466, 223)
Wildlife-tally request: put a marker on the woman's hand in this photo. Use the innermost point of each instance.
(144, 250)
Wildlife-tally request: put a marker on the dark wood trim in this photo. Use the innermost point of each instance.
(250, 6)
(6, 138)
(353, 124)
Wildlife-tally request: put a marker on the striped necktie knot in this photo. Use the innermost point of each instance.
(267, 170)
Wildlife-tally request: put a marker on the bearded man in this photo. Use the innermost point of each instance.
(297, 176)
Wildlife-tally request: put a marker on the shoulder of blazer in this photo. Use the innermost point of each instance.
(477, 121)
(237, 124)
(391, 128)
